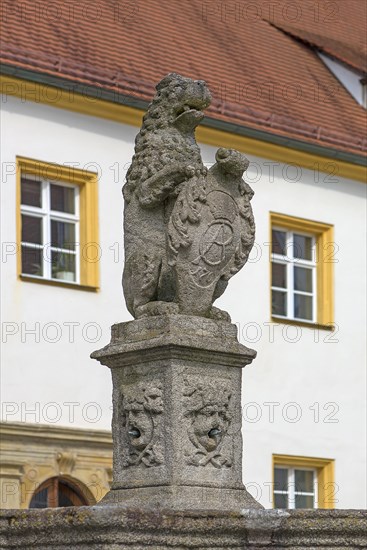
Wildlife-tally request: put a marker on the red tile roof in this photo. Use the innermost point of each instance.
(257, 56)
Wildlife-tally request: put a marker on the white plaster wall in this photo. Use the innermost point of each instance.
(43, 372)
(321, 370)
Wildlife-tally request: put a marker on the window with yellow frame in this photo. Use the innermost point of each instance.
(302, 256)
(303, 482)
(57, 229)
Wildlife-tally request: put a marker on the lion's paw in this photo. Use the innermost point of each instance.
(152, 309)
(219, 314)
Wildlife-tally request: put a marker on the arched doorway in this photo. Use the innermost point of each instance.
(58, 492)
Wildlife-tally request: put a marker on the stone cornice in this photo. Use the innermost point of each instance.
(50, 434)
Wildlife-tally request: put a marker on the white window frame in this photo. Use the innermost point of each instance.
(46, 214)
(290, 261)
(291, 486)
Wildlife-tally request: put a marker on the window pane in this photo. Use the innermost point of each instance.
(63, 235)
(280, 501)
(32, 261)
(63, 199)
(31, 192)
(302, 279)
(279, 275)
(279, 302)
(304, 501)
(31, 229)
(280, 479)
(278, 242)
(64, 500)
(304, 481)
(302, 247)
(303, 307)
(39, 500)
(63, 266)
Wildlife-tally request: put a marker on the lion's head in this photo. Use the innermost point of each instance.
(177, 107)
(179, 101)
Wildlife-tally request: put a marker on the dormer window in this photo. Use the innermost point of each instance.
(351, 79)
(364, 92)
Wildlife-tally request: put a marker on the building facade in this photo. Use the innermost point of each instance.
(298, 302)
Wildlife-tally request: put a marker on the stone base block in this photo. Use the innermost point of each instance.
(181, 498)
(113, 528)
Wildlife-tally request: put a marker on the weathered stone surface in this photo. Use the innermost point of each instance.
(182, 332)
(102, 528)
(177, 413)
(176, 371)
(187, 230)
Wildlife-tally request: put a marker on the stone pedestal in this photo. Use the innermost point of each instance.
(177, 414)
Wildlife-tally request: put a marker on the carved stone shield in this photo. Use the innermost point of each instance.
(210, 234)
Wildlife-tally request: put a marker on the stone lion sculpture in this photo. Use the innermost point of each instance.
(187, 230)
